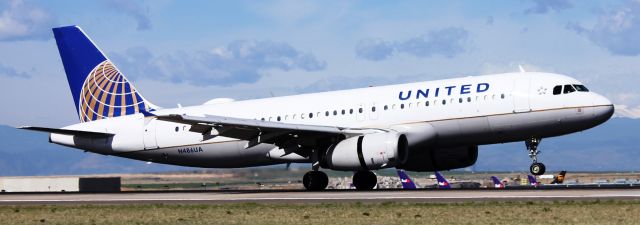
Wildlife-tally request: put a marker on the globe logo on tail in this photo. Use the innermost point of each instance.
(107, 93)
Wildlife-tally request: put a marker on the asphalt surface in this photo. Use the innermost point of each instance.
(295, 196)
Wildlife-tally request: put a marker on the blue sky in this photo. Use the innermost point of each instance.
(191, 51)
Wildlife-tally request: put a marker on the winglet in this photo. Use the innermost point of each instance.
(521, 69)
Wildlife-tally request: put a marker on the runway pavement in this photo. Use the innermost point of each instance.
(294, 196)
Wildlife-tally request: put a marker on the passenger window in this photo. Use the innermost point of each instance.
(350, 111)
(301, 115)
(444, 102)
(373, 109)
(279, 118)
(568, 89)
(360, 110)
(343, 112)
(401, 106)
(426, 103)
(460, 100)
(502, 96)
(310, 115)
(409, 105)
(326, 113)
(335, 112)
(468, 99)
(557, 90)
(386, 107)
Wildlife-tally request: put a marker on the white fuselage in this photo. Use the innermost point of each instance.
(445, 113)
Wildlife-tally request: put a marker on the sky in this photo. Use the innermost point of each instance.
(187, 52)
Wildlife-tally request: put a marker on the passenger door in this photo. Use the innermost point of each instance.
(520, 94)
(150, 141)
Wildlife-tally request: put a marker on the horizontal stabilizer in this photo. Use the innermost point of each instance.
(89, 134)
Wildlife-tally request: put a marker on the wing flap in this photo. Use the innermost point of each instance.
(283, 135)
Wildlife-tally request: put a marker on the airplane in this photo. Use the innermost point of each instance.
(532, 180)
(422, 126)
(406, 181)
(443, 183)
(496, 182)
(560, 178)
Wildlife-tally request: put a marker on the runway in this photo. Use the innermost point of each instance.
(294, 196)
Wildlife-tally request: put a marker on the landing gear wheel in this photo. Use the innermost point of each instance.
(315, 180)
(537, 169)
(365, 180)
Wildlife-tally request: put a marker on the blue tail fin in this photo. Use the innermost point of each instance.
(442, 182)
(532, 180)
(407, 183)
(99, 89)
(560, 178)
(496, 182)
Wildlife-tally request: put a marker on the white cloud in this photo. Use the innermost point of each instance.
(131, 8)
(23, 21)
(617, 29)
(447, 42)
(238, 62)
(627, 112)
(11, 72)
(545, 6)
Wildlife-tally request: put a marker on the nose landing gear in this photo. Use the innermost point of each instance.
(536, 168)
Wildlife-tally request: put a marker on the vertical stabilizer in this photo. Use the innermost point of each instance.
(406, 181)
(442, 182)
(98, 88)
(496, 182)
(532, 180)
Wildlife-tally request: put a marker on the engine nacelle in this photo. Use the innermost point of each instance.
(368, 152)
(426, 160)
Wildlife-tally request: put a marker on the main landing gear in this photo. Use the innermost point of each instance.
(365, 180)
(536, 168)
(315, 180)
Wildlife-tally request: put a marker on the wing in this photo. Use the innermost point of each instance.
(290, 137)
(88, 134)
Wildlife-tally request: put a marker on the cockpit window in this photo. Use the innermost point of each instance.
(557, 90)
(581, 88)
(568, 89)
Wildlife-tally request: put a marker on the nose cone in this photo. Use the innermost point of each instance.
(600, 100)
(603, 108)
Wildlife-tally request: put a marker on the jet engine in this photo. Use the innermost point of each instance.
(437, 159)
(368, 152)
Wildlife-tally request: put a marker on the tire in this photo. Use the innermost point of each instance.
(315, 181)
(365, 180)
(537, 169)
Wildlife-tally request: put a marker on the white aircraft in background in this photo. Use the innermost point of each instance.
(425, 126)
